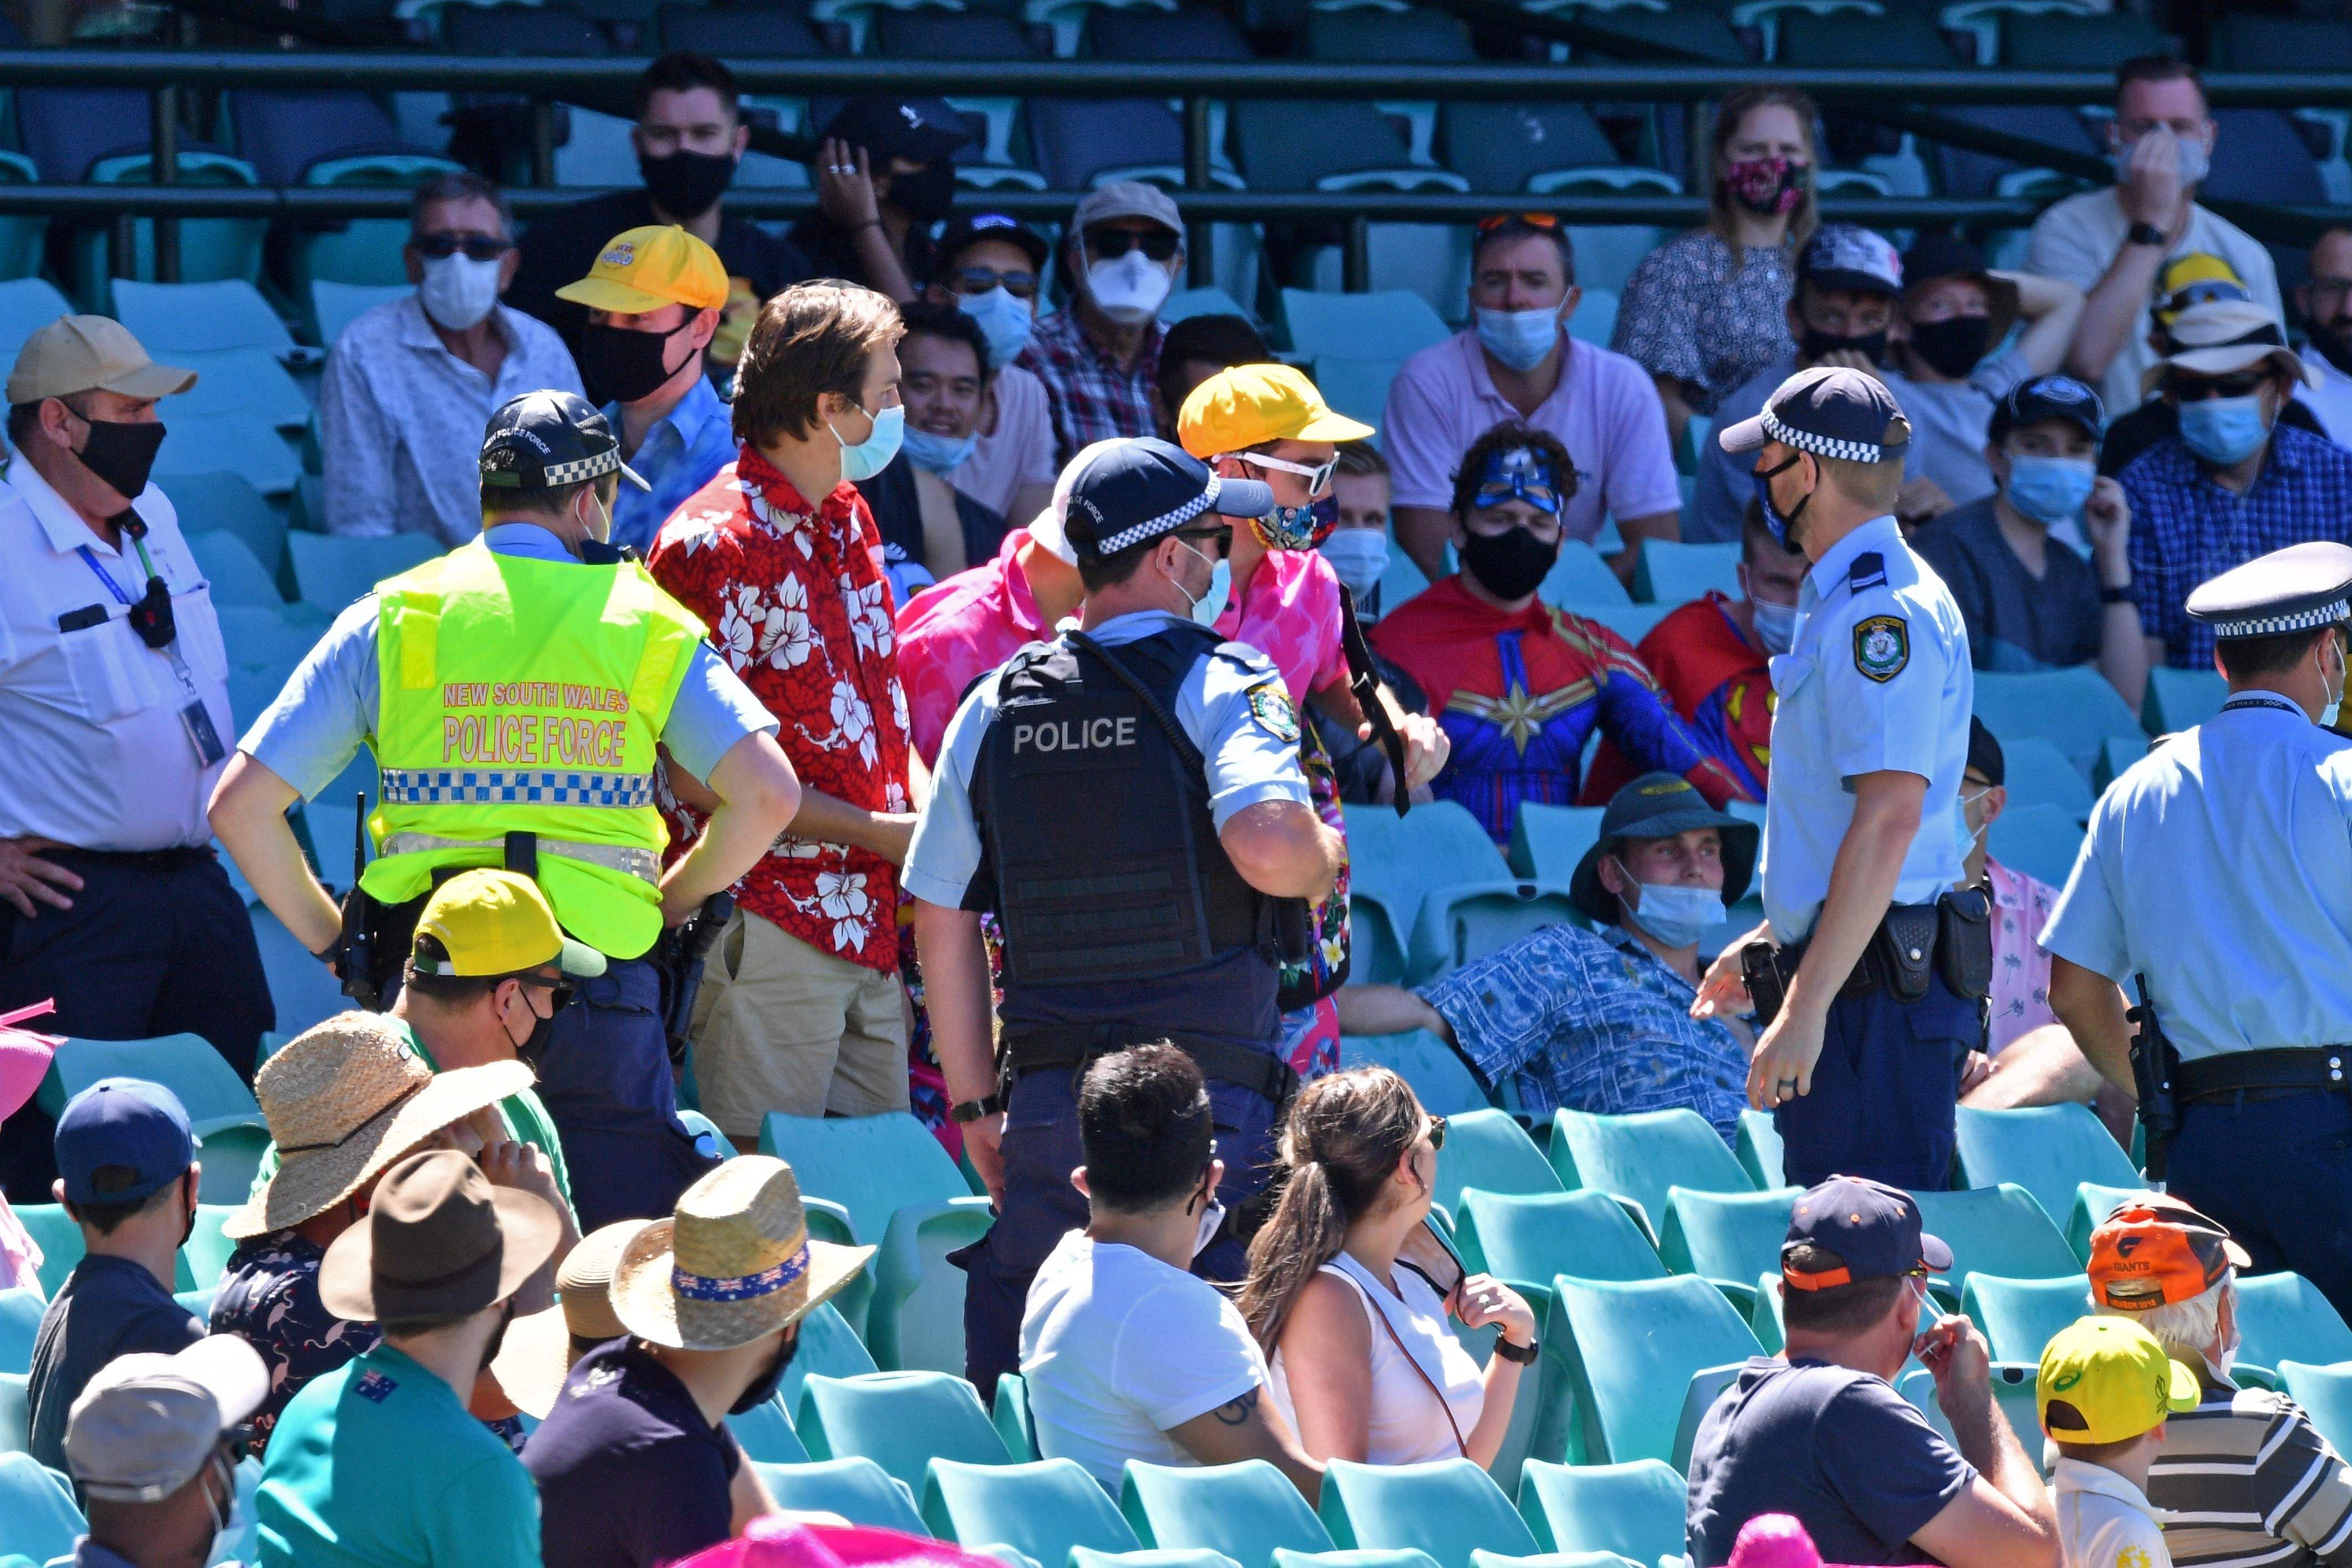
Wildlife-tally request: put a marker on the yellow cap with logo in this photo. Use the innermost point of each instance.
(491, 921)
(2106, 1380)
(646, 268)
(1252, 405)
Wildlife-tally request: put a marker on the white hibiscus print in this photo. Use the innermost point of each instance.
(840, 896)
(899, 705)
(746, 631)
(853, 721)
(698, 533)
(795, 638)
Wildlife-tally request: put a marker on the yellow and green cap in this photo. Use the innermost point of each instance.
(492, 921)
(2106, 1380)
(644, 269)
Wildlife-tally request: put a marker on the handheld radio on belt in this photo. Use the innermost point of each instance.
(1364, 683)
(682, 952)
(2154, 1065)
(355, 952)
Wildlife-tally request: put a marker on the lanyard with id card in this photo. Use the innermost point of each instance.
(151, 618)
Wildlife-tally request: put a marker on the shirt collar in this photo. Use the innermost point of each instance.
(2082, 1475)
(88, 1553)
(1882, 534)
(687, 416)
(62, 525)
(416, 329)
(526, 540)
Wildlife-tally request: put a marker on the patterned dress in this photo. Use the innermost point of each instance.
(1689, 315)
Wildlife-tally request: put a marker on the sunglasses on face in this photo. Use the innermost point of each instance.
(1319, 477)
(559, 993)
(981, 279)
(2197, 389)
(1110, 244)
(1220, 541)
(476, 246)
(1436, 1133)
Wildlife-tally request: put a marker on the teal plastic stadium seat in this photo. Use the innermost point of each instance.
(766, 1434)
(1631, 622)
(872, 1165)
(2074, 708)
(2036, 772)
(204, 1256)
(1459, 924)
(1010, 1412)
(1447, 1508)
(2012, 1390)
(1396, 860)
(1490, 1151)
(900, 1420)
(231, 1158)
(1764, 1318)
(27, 305)
(1358, 388)
(1707, 1386)
(186, 318)
(58, 1238)
(1354, 1557)
(1187, 302)
(1393, 325)
(2039, 840)
(2049, 1149)
(1547, 841)
(916, 1318)
(1040, 1510)
(20, 1321)
(199, 1303)
(335, 305)
(1998, 1230)
(829, 1348)
(1377, 937)
(1247, 1511)
(187, 1064)
(229, 501)
(1438, 1077)
(2282, 1317)
(1537, 1238)
(1633, 1509)
(1725, 1235)
(243, 443)
(2179, 699)
(235, 574)
(2326, 1395)
(1150, 1557)
(332, 571)
(242, 380)
(38, 1506)
(1671, 571)
(1482, 1558)
(1759, 1148)
(857, 1489)
(1641, 1156)
(1628, 1340)
(1579, 577)
(16, 1412)
(2093, 1204)
(2018, 1316)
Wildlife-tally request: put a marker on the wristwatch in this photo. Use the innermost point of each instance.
(965, 1111)
(2146, 234)
(1524, 1355)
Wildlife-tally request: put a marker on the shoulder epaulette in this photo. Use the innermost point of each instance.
(1868, 571)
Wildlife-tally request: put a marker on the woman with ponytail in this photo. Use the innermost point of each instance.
(1364, 1364)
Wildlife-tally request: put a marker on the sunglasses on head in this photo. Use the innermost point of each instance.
(1486, 226)
(981, 279)
(476, 246)
(2198, 388)
(1110, 244)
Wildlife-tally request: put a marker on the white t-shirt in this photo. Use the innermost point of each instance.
(1406, 1425)
(1116, 1348)
(1948, 420)
(2331, 400)
(2104, 1520)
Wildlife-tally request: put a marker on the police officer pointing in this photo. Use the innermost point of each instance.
(1126, 798)
(2218, 874)
(1867, 977)
(513, 692)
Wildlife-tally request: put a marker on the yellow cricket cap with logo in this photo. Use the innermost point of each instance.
(494, 921)
(2106, 1380)
(646, 268)
(1251, 404)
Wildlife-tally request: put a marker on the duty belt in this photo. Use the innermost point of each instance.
(629, 859)
(2289, 1069)
(1028, 1047)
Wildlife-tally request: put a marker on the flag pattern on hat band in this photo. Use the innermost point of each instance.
(742, 1288)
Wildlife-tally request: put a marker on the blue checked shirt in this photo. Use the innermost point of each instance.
(1589, 1021)
(678, 456)
(2186, 529)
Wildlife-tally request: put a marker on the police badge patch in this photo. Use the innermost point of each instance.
(1882, 646)
(1270, 706)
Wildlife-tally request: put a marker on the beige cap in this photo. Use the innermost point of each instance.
(2222, 337)
(144, 1424)
(91, 353)
(1127, 198)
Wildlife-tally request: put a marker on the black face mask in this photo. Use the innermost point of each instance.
(1511, 564)
(687, 185)
(1816, 346)
(2332, 345)
(1952, 346)
(121, 455)
(623, 366)
(763, 1387)
(534, 1044)
(927, 195)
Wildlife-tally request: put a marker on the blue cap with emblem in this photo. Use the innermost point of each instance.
(1831, 412)
(543, 440)
(1133, 491)
(2297, 589)
(1874, 1231)
(2042, 397)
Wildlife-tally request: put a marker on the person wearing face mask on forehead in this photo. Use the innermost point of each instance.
(884, 177)
(1099, 354)
(152, 1447)
(991, 267)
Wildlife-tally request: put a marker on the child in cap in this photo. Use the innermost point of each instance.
(2104, 1389)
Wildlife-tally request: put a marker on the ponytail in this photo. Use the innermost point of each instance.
(1306, 1233)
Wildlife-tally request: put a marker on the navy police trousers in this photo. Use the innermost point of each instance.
(1884, 1092)
(2277, 1174)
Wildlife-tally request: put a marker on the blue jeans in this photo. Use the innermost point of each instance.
(1885, 1090)
(2278, 1174)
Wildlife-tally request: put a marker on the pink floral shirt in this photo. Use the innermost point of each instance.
(2020, 969)
(957, 630)
(1290, 613)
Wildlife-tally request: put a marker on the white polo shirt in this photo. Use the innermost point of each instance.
(98, 758)
(2104, 1520)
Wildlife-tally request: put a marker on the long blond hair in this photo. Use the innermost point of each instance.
(1736, 106)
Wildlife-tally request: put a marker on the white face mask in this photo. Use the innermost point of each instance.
(457, 292)
(1129, 289)
(1359, 558)
(1776, 625)
(1966, 835)
(2195, 162)
(1005, 321)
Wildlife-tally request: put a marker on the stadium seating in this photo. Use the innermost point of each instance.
(900, 1420)
(2018, 1316)
(1632, 1346)
(2093, 1204)
(334, 305)
(2050, 1151)
(2282, 1317)
(1725, 1236)
(1640, 1157)
(16, 1412)
(20, 1320)
(332, 571)
(2040, 840)
(1547, 841)
(1534, 1238)
(1581, 581)
(1010, 1413)
(1634, 1509)
(208, 1088)
(2326, 1395)
(916, 1318)
(2036, 772)
(1244, 1510)
(1355, 1557)
(235, 575)
(1447, 1508)
(2012, 1390)
(38, 1505)
(1040, 1510)
(2073, 708)
(1471, 919)
(1390, 326)
(1998, 1230)
(230, 504)
(872, 1165)
(27, 305)
(1442, 1084)
(829, 1347)
(858, 1490)
(1488, 1150)
(765, 1434)
(2181, 699)
(1759, 1148)
(188, 318)
(1670, 571)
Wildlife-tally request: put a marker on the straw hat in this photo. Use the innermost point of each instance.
(536, 1354)
(733, 1264)
(345, 1100)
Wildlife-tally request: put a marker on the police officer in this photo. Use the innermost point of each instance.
(514, 692)
(2218, 872)
(1126, 798)
(1880, 974)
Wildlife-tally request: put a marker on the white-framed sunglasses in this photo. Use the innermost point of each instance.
(1319, 477)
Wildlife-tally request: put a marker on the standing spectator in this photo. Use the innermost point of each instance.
(1099, 354)
(2236, 481)
(1957, 358)
(2324, 298)
(1712, 656)
(649, 288)
(1517, 363)
(690, 137)
(991, 268)
(114, 696)
(2032, 602)
(1519, 685)
(1358, 546)
(2104, 1390)
(378, 1464)
(1196, 348)
(943, 377)
(411, 381)
(152, 1444)
(883, 179)
(2109, 243)
(129, 1179)
(800, 1009)
(1707, 310)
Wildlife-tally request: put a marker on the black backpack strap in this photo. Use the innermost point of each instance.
(1364, 682)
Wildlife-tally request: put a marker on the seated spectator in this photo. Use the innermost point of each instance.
(1193, 350)
(539, 1350)
(2235, 482)
(1516, 363)
(1712, 656)
(1366, 1366)
(634, 1464)
(649, 288)
(1126, 1355)
(152, 1443)
(689, 138)
(1707, 310)
(943, 378)
(2032, 602)
(2103, 1390)
(884, 179)
(127, 1179)
(2109, 243)
(2184, 281)
(2244, 1475)
(411, 382)
(378, 1463)
(1820, 1434)
(1099, 354)
(1518, 684)
(1957, 359)
(1600, 1020)
(1357, 545)
(991, 268)
(2325, 299)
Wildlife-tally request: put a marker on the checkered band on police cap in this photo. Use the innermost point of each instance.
(1826, 445)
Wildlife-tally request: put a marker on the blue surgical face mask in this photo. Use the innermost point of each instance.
(1519, 339)
(1211, 604)
(1676, 915)
(2328, 713)
(873, 455)
(1005, 321)
(1776, 625)
(2224, 430)
(2051, 490)
(937, 452)
(1964, 837)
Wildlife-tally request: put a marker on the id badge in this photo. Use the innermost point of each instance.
(198, 724)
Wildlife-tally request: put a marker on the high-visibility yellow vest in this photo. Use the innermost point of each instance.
(519, 695)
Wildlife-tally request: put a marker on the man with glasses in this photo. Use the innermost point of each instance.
(2326, 300)
(411, 382)
(991, 268)
(1097, 356)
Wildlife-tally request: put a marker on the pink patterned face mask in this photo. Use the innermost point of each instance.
(1770, 187)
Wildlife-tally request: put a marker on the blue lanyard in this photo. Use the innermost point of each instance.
(113, 587)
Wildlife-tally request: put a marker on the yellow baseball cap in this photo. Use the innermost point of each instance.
(648, 267)
(2106, 1380)
(494, 921)
(1254, 403)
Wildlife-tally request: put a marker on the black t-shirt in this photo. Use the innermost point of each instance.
(831, 251)
(107, 1307)
(2152, 421)
(2015, 620)
(630, 1474)
(1859, 1468)
(898, 515)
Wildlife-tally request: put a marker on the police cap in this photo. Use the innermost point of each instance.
(1133, 491)
(2300, 588)
(543, 440)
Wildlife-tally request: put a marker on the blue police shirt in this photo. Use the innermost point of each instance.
(1877, 680)
(2219, 866)
(678, 456)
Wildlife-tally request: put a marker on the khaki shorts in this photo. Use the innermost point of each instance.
(779, 1025)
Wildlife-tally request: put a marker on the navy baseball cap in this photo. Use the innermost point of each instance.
(1831, 412)
(2040, 397)
(1871, 1228)
(126, 1121)
(1133, 491)
(543, 440)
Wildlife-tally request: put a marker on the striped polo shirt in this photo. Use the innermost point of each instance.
(2246, 1480)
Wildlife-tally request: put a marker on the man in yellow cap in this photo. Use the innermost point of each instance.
(2104, 1389)
(654, 298)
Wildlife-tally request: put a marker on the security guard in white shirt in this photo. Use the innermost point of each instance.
(1868, 979)
(114, 699)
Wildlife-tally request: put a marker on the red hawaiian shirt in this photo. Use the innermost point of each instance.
(797, 603)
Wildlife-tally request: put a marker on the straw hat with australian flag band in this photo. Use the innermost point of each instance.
(643, 269)
(2153, 1250)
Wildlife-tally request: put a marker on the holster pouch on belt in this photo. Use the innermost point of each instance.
(1904, 947)
(2156, 1070)
(1964, 942)
(1028, 1047)
(1286, 930)
(1759, 966)
(1952, 937)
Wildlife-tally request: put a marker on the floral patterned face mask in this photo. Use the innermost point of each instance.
(1770, 187)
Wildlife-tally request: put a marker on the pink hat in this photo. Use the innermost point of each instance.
(781, 1540)
(24, 1058)
(1774, 1540)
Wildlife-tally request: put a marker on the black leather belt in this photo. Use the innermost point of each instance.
(2289, 1070)
(157, 860)
(1030, 1047)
